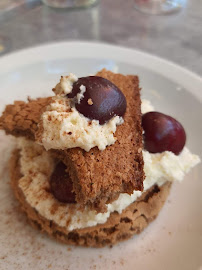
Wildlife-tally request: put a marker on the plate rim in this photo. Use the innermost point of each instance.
(167, 68)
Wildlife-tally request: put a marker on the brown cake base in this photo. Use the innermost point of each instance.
(118, 227)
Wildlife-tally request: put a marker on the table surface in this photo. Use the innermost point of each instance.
(177, 37)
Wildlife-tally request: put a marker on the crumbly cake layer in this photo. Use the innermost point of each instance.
(98, 176)
(22, 118)
(118, 227)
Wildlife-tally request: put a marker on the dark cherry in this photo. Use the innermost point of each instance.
(61, 185)
(102, 99)
(162, 133)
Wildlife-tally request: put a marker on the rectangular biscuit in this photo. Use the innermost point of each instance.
(98, 176)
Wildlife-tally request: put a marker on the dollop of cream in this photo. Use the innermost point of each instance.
(65, 85)
(167, 166)
(146, 106)
(80, 95)
(62, 126)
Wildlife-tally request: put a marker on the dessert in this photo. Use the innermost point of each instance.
(79, 174)
(98, 176)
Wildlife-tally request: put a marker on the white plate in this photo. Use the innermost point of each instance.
(174, 239)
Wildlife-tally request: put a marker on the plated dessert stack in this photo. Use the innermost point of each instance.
(80, 170)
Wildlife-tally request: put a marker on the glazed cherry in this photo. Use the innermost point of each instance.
(162, 133)
(102, 99)
(61, 185)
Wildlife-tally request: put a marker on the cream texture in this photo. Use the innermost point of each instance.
(80, 95)
(64, 127)
(65, 85)
(146, 106)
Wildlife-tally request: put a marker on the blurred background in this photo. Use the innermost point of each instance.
(176, 36)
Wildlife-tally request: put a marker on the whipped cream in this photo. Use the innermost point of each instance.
(146, 106)
(62, 126)
(80, 95)
(64, 87)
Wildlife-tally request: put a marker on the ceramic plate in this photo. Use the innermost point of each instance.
(174, 239)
